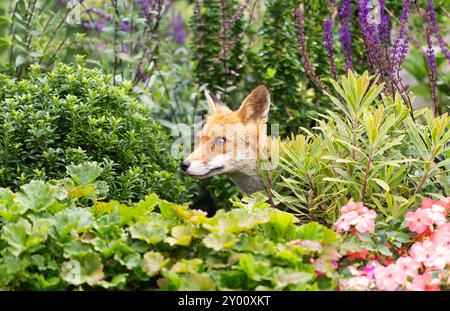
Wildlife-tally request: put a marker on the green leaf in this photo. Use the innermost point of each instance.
(78, 219)
(381, 183)
(87, 269)
(149, 203)
(36, 195)
(181, 235)
(220, 240)
(315, 232)
(15, 234)
(85, 173)
(285, 277)
(118, 280)
(151, 232)
(153, 263)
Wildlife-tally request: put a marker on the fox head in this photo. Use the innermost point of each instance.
(230, 142)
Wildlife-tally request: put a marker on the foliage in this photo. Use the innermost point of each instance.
(218, 45)
(371, 150)
(58, 235)
(119, 37)
(73, 114)
(279, 65)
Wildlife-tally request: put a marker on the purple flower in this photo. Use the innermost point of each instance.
(100, 25)
(344, 33)
(178, 31)
(432, 69)
(140, 76)
(383, 26)
(401, 44)
(370, 37)
(431, 16)
(100, 13)
(125, 26)
(100, 46)
(146, 8)
(329, 44)
(89, 25)
(125, 48)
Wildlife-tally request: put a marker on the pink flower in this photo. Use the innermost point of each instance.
(357, 283)
(437, 214)
(389, 278)
(370, 271)
(428, 202)
(408, 265)
(424, 282)
(357, 215)
(345, 221)
(351, 206)
(441, 236)
(366, 222)
(419, 220)
(421, 251)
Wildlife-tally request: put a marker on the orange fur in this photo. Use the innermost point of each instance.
(231, 142)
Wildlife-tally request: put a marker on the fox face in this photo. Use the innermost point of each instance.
(230, 142)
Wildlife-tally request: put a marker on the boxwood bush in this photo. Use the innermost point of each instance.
(73, 114)
(57, 235)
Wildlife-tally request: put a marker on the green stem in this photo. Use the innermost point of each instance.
(366, 174)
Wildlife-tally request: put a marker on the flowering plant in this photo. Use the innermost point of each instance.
(421, 263)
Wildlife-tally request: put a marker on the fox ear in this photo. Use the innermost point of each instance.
(256, 105)
(214, 103)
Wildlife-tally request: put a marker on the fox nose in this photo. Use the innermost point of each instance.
(184, 165)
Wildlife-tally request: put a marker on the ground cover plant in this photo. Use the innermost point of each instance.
(58, 235)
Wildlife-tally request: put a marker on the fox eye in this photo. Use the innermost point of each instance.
(219, 140)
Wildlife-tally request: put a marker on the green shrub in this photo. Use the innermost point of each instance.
(279, 65)
(219, 34)
(73, 114)
(370, 150)
(57, 235)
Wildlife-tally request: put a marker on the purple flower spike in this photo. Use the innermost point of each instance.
(100, 25)
(89, 25)
(178, 31)
(140, 76)
(125, 26)
(100, 13)
(125, 48)
(383, 27)
(369, 32)
(431, 15)
(344, 33)
(401, 44)
(432, 70)
(329, 44)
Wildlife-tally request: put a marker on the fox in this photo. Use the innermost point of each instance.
(232, 142)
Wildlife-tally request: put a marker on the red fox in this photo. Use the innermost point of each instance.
(232, 142)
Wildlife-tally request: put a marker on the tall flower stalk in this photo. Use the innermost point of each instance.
(431, 16)
(329, 44)
(344, 33)
(301, 38)
(432, 70)
(401, 43)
